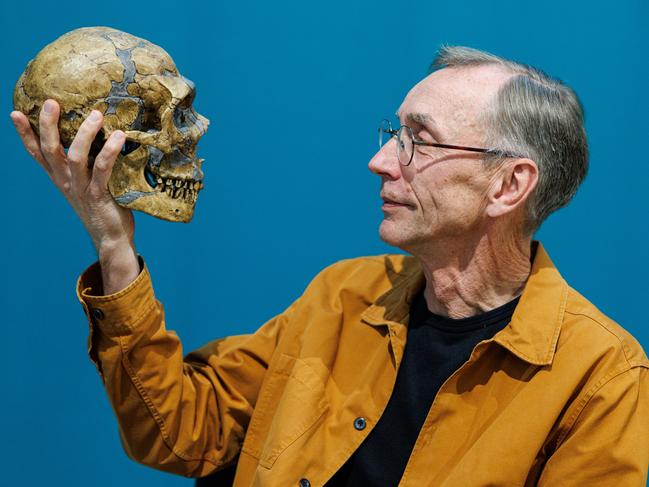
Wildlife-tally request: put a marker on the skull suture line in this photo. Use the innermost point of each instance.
(137, 87)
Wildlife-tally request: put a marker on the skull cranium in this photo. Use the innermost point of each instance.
(137, 87)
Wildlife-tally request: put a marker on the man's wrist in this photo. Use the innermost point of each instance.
(119, 265)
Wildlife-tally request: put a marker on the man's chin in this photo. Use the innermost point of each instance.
(403, 237)
(392, 235)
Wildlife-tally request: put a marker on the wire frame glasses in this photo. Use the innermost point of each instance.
(406, 142)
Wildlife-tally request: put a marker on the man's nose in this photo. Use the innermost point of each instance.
(385, 162)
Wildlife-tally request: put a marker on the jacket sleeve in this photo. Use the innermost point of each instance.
(608, 442)
(182, 415)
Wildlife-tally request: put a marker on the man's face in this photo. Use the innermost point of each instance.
(441, 195)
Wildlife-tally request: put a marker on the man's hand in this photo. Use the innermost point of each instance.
(110, 226)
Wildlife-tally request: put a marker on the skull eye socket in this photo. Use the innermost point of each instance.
(128, 147)
(184, 117)
(184, 113)
(189, 99)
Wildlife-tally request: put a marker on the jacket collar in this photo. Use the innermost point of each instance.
(533, 331)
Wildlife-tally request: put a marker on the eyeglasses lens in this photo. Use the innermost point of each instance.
(405, 145)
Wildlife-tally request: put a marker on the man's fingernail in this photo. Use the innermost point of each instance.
(48, 107)
(94, 116)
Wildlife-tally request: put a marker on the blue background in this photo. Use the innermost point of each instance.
(294, 91)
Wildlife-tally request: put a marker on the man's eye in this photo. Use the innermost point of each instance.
(424, 136)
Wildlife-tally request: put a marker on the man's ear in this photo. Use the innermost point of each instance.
(512, 184)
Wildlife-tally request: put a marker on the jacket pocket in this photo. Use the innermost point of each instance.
(299, 401)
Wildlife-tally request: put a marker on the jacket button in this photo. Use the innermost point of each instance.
(305, 483)
(98, 314)
(360, 423)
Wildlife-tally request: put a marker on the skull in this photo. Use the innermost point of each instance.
(137, 87)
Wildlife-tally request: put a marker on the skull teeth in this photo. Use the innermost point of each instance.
(175, 188)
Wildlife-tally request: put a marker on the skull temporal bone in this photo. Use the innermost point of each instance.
(137, 87)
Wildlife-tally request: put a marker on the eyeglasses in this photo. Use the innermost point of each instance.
(406, 143)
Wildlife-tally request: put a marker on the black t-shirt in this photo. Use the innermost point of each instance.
(436, 347)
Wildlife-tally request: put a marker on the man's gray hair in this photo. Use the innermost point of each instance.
(536, 116)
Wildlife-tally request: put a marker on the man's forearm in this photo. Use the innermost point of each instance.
(186, 417)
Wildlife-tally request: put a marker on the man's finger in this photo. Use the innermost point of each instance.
(105, 160)
(48, 126)
(29, 139)
(80, 147)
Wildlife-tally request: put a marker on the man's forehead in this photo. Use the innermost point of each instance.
(467, 88)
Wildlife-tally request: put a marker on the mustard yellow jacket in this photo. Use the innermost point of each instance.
(559, 397)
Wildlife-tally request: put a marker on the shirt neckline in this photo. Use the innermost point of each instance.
(422, 316)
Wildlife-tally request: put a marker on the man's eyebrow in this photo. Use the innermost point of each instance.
(422, 119)
(426, 120)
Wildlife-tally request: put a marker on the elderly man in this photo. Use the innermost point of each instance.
(469, 363)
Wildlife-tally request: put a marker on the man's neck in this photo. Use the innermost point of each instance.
(470, 277)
